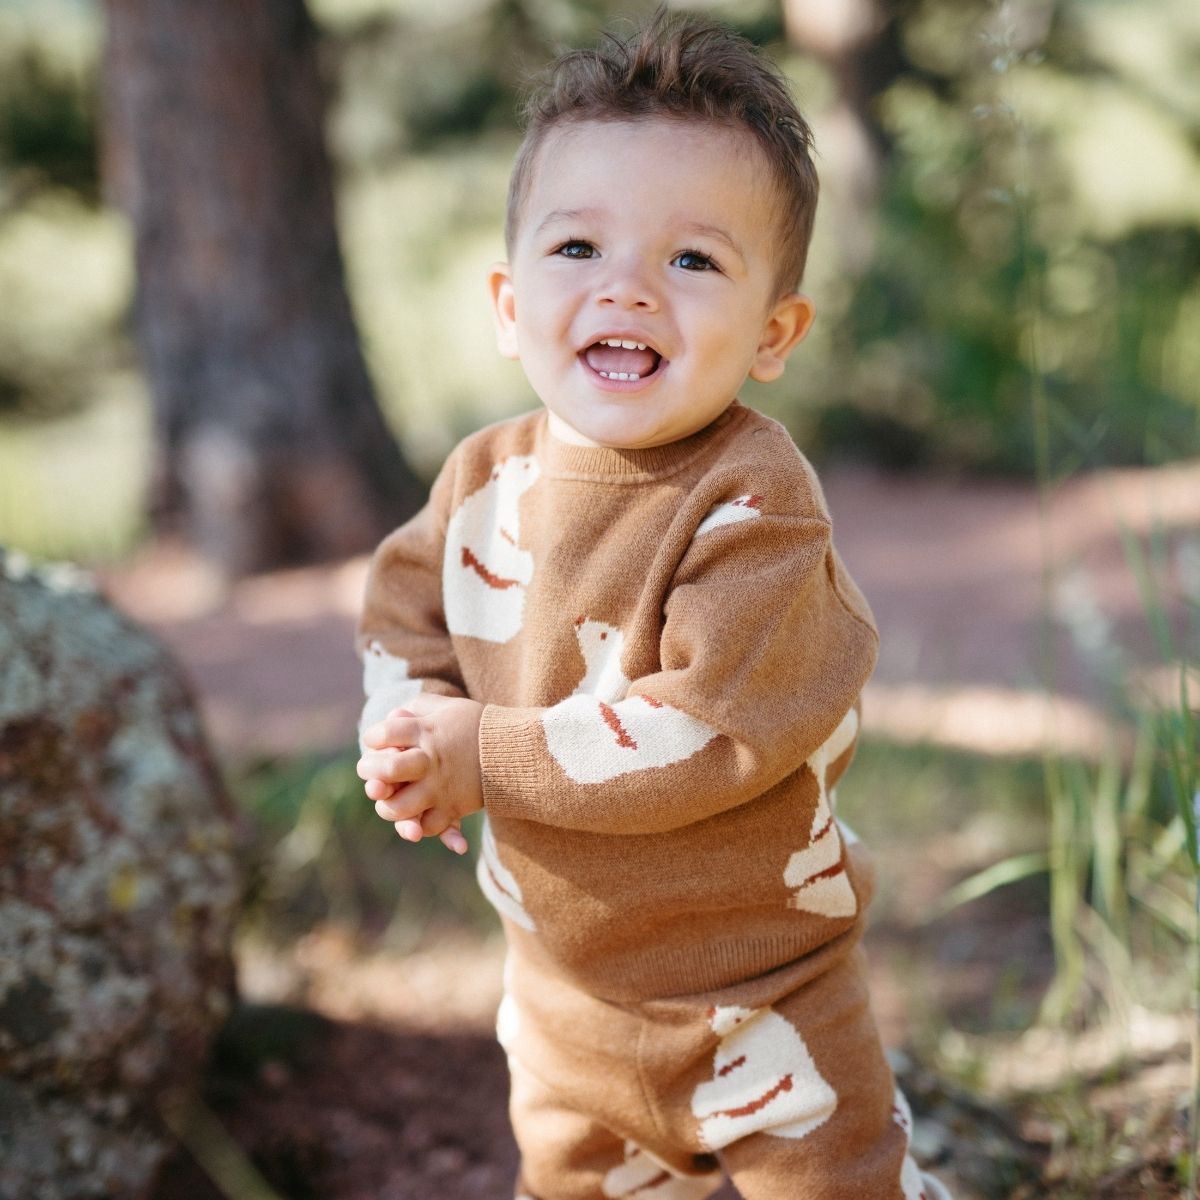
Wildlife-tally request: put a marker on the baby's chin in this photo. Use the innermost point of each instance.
(566, 432)
(617, 427)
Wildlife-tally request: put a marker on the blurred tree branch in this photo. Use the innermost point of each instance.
(858, 41)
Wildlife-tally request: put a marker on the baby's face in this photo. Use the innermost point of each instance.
(642, 290)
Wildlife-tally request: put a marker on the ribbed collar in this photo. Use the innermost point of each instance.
(564, 460)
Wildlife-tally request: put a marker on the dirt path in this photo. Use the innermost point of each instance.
(385, 1083)
(381, 1080)
(952, 569)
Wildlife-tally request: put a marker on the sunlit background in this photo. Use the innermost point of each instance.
(1006, 271)
(1028, 204)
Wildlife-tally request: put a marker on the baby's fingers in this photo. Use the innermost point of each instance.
(435, 822)
(377, 790)
(453, 839)
(393, 766)
(398, 728)
(410, 829)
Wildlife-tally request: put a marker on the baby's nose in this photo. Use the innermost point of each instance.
(630, 286)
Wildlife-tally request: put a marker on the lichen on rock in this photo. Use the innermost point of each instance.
(118, 891)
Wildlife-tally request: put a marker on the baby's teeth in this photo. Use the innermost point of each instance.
(621, 343)
(620, 375)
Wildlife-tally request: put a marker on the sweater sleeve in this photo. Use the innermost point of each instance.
(765, 647)
(402, 637)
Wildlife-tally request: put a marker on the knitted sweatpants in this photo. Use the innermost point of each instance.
(783, 1088)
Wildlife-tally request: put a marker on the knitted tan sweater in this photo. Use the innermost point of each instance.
(671, 655)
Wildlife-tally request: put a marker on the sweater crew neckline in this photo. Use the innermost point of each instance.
(567, 460)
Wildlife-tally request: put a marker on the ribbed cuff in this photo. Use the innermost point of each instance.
(514, 762)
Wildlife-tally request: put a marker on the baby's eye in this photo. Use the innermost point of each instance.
(576, 248)
(693, 260)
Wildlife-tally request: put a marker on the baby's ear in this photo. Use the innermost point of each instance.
(504, 309)
(786, 326)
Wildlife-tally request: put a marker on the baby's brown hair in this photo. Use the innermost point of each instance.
(682, 68)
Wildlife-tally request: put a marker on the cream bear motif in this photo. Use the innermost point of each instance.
(387, 685)
(508, 1015)
(601, 646)
(764, 1080)
(913, 1184)
(484, 570)
(818, 872)
(594, 741)
(642, 1177)
(498, 883)
(599, 732)
(744, 508)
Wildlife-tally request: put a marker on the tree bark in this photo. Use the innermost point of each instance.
(270, 446)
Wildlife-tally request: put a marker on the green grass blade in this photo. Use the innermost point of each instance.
(998, 875)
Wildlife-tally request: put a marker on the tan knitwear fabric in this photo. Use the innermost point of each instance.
(783, 1089)
(671, 655)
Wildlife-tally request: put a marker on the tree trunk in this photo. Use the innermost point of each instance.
(270, 446)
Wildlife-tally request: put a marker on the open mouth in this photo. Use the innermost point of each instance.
(622, 359)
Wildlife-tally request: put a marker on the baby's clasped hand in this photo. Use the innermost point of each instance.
(421, 767)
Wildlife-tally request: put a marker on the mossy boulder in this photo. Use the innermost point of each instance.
(118, 891)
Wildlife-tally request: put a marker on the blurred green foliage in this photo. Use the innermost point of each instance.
(1035, 213)
(48, 85)
(1040, 213)
(64, 277)
(1006, 238)
(47, 123)
(317, 854)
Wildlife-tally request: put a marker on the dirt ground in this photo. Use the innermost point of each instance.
(954, 570)
(350, 1075)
